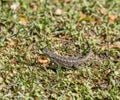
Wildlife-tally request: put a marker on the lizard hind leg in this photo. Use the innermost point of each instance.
(55, 64)
(67, 67)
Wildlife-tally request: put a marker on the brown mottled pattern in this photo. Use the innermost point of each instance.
(66, 62)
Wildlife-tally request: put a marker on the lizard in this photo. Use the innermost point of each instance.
(68, 63)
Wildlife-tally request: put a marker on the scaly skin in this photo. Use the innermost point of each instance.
(67, 63)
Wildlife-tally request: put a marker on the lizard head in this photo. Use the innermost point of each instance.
(46, 51)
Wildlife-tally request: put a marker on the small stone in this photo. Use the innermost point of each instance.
(58, 12)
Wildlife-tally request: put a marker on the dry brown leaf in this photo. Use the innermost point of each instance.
(110, 46)
(1, 86)
(57, 1)
(103, 11)
(81, 16)
(13, 61)
(33, 6)
(87, 35)
(103, 47)
(23, 19)
(12, 44)
(112, 18)
(43, 60)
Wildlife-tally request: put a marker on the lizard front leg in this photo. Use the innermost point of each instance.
(76, 66)
(54, 63)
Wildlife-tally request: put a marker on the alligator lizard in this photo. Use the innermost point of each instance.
(68, 63)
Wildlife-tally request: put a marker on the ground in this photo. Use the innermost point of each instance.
(64, 26)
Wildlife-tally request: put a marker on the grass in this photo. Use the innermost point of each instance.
(26, 26)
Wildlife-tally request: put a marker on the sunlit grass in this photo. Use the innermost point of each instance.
(27, 26)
